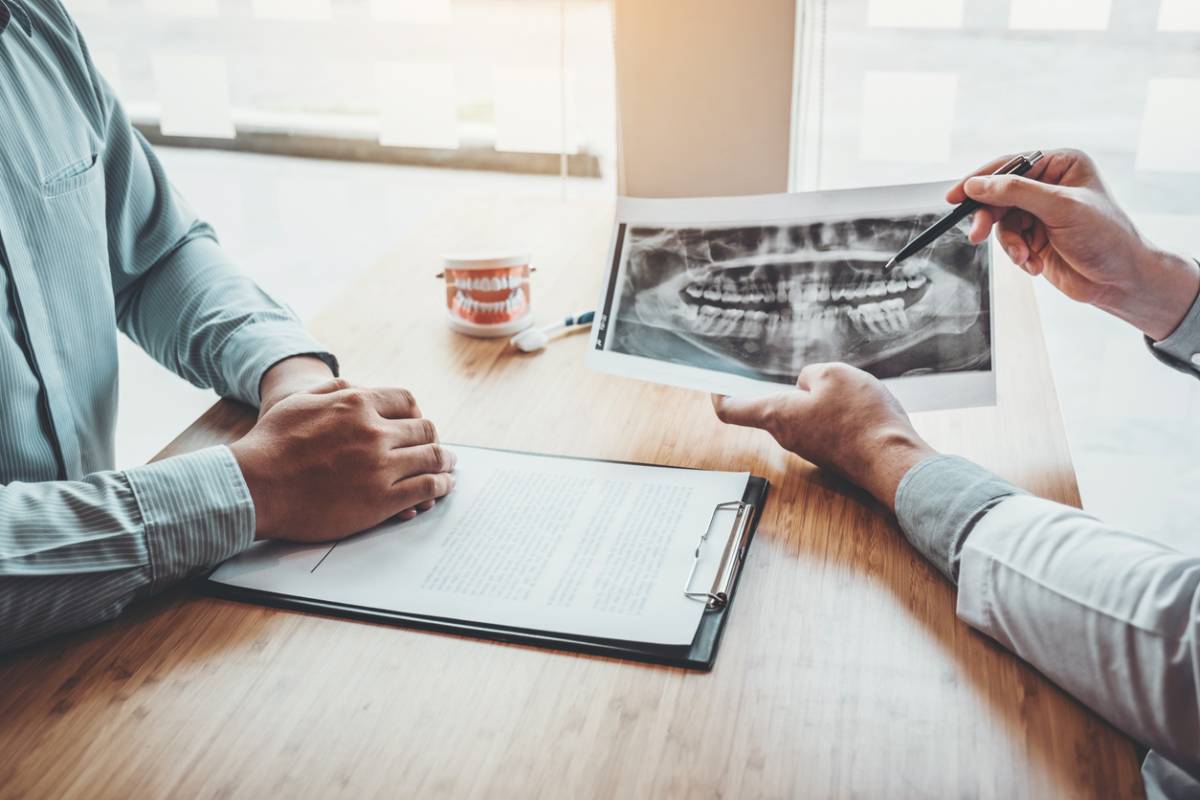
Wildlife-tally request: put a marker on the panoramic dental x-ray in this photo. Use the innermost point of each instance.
(762, 300)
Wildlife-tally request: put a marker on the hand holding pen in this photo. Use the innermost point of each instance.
(1060, 221)
(1016, 165)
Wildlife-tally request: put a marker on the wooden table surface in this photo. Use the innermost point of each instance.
(843, 669)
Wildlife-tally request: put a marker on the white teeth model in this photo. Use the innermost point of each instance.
(514, 301)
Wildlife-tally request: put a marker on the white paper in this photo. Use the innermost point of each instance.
(567, 546)
(805, 271)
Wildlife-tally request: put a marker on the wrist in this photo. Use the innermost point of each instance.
(1166, 289)
(247, 459)
(292, 375)
(887, 456)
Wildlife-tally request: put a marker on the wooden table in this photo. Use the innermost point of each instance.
(843, 670)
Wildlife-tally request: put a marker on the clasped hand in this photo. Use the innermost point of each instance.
(335, 459)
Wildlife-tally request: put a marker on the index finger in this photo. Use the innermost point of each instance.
(395, 403)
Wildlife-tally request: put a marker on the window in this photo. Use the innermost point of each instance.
(505, 84)
(894, 91)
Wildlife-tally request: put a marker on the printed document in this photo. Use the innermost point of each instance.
(570, 546)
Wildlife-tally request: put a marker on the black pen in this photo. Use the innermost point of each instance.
(1018, 165)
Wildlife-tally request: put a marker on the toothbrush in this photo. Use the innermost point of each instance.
(531, 340)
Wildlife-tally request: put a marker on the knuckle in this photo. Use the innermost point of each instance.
(428, 430)
(376, 435)
(437, 457)
(341, 383)
(825, 372)
(405, 398)
(355, 398)
(427, 486)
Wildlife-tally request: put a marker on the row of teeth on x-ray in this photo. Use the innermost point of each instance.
(728, 292)
(514, 301)
(494, 284)
(878, 318)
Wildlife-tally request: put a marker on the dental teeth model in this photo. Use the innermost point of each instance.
(487, 294)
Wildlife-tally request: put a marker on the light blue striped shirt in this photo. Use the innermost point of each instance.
(92, 240)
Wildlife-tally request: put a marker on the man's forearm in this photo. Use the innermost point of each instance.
(75, 553)
(1112, 617)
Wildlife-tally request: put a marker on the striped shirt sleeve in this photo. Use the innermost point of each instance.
(177, 292)
(75, 553)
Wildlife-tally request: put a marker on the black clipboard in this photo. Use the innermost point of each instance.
(699, 655)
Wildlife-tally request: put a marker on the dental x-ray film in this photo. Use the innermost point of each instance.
(736, 295)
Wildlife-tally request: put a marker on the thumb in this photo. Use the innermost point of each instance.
(751, 412)
(1014, 191)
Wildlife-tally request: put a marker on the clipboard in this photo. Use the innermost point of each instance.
(699, 655)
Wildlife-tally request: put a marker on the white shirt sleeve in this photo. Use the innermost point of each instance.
(1110, 616)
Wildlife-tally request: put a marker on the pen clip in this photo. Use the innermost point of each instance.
(1010, 166)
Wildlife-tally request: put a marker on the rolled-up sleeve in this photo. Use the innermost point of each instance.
(177, 293)
(76, 553)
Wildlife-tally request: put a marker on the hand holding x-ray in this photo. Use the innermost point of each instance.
(839, 418)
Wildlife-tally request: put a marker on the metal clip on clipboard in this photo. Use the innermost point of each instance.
(731, 560)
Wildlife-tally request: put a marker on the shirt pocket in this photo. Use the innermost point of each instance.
(72, 177)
